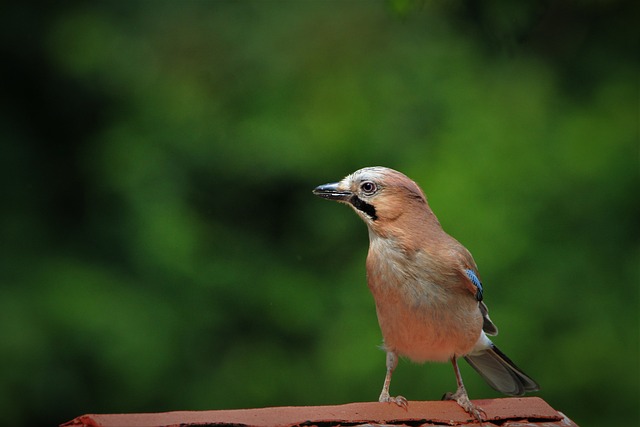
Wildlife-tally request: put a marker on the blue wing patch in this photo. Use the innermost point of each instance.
(476, 282)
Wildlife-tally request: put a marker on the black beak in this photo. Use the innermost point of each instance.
(331, 192)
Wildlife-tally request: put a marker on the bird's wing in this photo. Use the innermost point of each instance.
(487, 325)
(467, 269)
(473, 283)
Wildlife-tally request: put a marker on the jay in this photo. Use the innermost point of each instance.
(426, 286)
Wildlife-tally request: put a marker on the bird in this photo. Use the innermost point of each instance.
(428, 294)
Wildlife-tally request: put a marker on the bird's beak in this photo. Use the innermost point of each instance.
(332, 192)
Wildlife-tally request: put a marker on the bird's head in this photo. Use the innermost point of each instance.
(379, 195)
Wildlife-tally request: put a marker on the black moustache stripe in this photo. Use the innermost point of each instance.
(365, 207)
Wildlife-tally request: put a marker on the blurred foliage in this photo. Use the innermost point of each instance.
(161, 246)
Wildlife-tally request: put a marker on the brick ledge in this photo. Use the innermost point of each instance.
(506, 412)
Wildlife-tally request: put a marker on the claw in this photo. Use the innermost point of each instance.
(463, 400)
(475, 411)
(392, 361)
(398, 400)
(461, 397)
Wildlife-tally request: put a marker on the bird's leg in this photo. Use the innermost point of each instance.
(461, 396)
(392, 362)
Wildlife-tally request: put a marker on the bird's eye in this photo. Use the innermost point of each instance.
(368, 187)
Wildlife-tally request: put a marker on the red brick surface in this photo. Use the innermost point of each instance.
(508, 412)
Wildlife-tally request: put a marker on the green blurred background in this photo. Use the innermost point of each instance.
(161, 246)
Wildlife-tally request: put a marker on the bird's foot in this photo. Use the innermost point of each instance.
(461, 398)
(398, 400)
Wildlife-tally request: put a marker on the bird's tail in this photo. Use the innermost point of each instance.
(500, 372)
